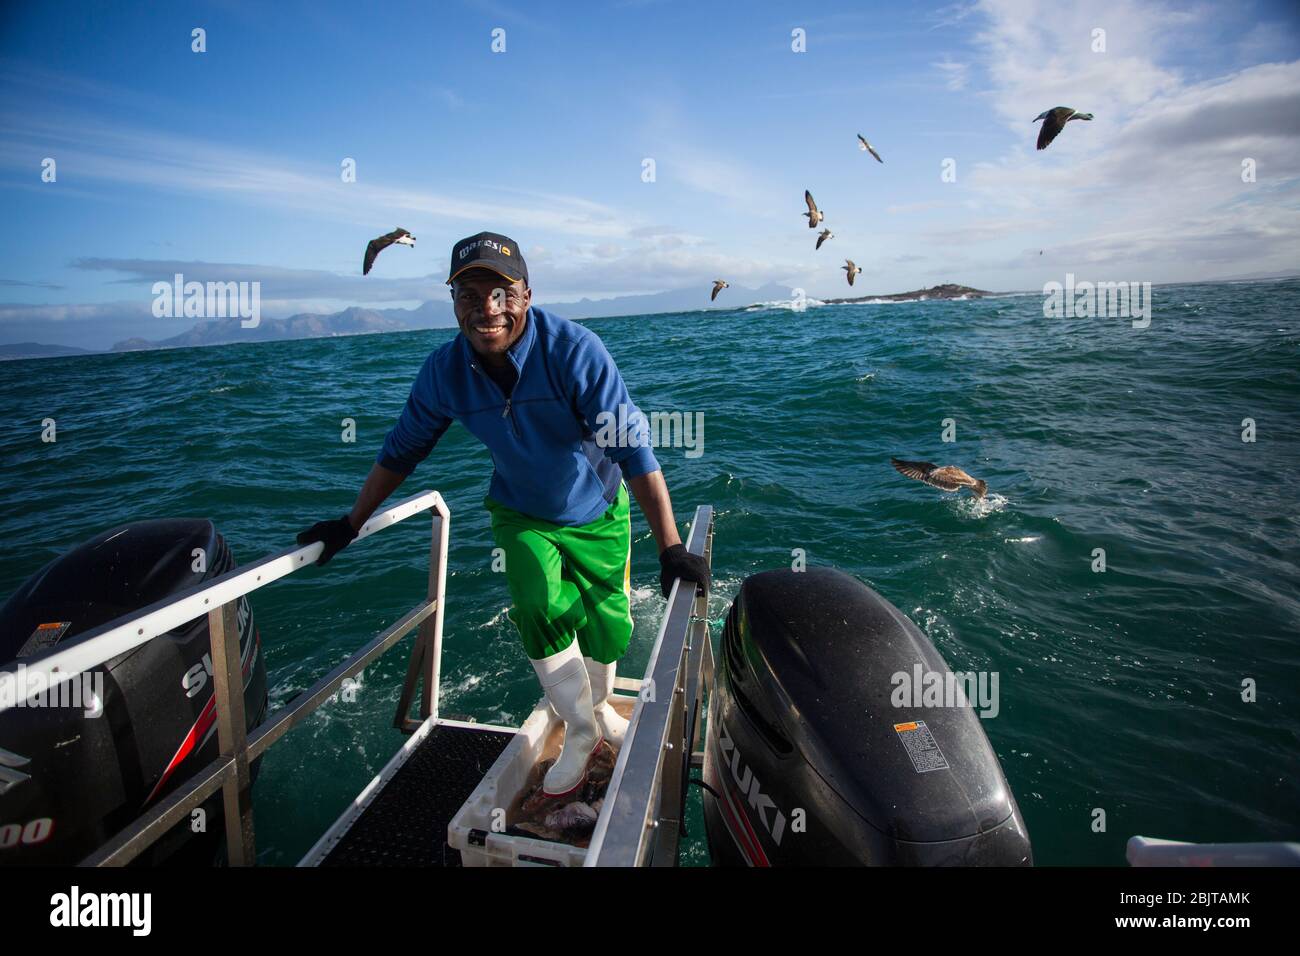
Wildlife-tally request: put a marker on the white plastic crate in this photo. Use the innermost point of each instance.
(471, 829)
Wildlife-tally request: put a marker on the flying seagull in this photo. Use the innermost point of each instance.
(814, 214)
(851, 269)
(863, 144)
(718, 286)
(1054, 122)
(376, 246)
(823, 236)
(947, 478)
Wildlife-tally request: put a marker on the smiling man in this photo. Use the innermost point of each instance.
(530, 386)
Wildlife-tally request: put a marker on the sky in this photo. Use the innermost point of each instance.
(226, 165)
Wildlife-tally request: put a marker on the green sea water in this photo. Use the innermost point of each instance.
(1119, 690)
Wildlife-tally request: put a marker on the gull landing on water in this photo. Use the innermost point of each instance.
(946, 478)
(718, 286)
(823, 236)
(814, 214)
(376, 246)
(863, 144)
(1054, 121)
(851, 269)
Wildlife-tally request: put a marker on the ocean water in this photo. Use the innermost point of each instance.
(1119, 690)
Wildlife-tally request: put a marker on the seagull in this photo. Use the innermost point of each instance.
(947, 478)
(863, 144)
(851, 269)
(376, 246)
(823, 236)
(1055, 121)
(718, 286)
(814, 214)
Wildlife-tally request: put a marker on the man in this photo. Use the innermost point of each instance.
(532, 387)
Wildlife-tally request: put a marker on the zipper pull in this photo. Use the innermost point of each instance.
(505, 413)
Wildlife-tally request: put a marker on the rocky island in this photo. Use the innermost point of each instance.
(946, 291)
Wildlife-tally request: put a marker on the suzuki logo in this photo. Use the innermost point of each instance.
(197, 676)
(10, 778)
(749, 786)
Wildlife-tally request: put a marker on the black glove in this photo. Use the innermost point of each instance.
(336, 534)
(677, 562)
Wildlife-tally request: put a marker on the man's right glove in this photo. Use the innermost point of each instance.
(336, 534)
(676, 562)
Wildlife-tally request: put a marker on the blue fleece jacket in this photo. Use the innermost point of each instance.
(543, 438)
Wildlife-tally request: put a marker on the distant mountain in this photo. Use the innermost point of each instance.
(945, 291)
(1249, 276)
(306, 325)
(26, 350)
(427, 315)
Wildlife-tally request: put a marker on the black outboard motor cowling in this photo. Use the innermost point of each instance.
(70, 778)
(809, 762)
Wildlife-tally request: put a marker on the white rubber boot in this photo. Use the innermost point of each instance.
(601, 677)
(564, 681)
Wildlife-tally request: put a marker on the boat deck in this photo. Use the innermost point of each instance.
(401, 818)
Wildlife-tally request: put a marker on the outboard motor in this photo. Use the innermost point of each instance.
(74, 774)
(809, 761)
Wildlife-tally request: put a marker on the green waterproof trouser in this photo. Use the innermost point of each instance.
(569, 582)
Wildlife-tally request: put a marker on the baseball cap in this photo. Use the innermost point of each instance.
(488, 250)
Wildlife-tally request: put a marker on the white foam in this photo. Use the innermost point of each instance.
(469, 683)
(641, 594)
(495, 620)
(982, 507)
(783, 304)
(449, 694)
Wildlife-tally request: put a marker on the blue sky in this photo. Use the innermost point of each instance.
(226, 164)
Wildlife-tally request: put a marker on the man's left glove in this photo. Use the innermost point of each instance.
(336, 534)
(677, 562)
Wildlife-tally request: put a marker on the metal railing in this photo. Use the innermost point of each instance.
(646, 799)
(230, 771)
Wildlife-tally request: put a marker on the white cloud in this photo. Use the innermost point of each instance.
(951, 14)
(11, 312)
(448, 96)
(954, 73)
(907, 208)
(1155, 180)
(720, 176)
(618, 251)
(581, 270)
(277, 283)
(163, 160)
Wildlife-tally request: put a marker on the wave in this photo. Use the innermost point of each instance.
(788, 304)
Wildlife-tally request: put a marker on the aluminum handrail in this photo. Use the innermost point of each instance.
(657, 748)
(122, 634)
(217, 599)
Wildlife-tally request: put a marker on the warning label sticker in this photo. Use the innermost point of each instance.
(921, 746)
(45, 635)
